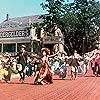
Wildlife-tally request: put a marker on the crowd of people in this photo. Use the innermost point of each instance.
(44, 66)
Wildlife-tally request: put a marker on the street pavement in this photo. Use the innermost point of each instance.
(84, 88)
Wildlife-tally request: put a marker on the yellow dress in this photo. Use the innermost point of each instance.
(5, 73)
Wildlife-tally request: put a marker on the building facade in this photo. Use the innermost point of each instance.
(16, 31)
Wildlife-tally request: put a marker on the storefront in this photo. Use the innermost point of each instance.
(16, 31)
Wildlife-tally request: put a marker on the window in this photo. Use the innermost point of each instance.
(0, 47)
(9, 48)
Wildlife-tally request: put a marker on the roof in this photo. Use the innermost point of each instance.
(19, 22)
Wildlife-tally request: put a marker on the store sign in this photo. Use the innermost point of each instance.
(12, 34)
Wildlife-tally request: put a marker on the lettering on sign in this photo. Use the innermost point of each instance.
(12, 34)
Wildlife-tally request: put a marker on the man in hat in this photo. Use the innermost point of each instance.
(23, 57)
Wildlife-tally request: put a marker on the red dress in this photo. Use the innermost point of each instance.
(44, 76)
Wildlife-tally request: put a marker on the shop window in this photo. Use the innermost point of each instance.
(0, 47)
(9, 48)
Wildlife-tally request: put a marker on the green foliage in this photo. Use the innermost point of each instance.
(55, 11)
(83, 17)
(77, 20)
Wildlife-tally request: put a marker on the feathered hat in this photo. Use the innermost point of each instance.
(46, 50)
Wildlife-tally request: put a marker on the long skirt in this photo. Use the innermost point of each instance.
(61, 71)
(74, 69)
(5, 74)
(98, 67)
(44, 76)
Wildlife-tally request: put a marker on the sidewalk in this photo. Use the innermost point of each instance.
(84, 88)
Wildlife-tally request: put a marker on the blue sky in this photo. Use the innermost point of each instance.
(17, 8)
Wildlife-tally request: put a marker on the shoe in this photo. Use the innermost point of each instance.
(71, 78)
(5, 80)
(75, 78)
(22, 81)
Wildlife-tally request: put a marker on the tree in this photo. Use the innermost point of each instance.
(78, 21)
(55, 11)
(82, 17)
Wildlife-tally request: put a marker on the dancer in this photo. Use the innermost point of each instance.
(59, 66)
(22, 61)
(45, 74)
(5, 71)
(74, 65)
(35, 63)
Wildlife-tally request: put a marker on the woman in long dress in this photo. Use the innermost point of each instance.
(5, 71)
(59, 66)
(45, 74)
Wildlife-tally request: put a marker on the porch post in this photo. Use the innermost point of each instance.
(2, 48)
(31, 45)
(16, 48)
